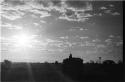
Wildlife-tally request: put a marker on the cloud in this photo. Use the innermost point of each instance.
(78, 11)
(11, 15)
(1, 1)
(75, 16)
(34, 16)
(6, 43)
(39, 12)
(13, 9)
(86, 37)
(42, 21)
(114, 41)
(9, 11)
(96, 40)
(63, 43)
(111, 36)
(120, 43)
(108, 40)
(64, 37)
(115, 13)
(110, 12)
(78, 28)
(54, 50)
(12, 27)
(3, 40)
(72, 19)
(87, 44)
(82, 29)
(15, 2)
(100, 46)
(69, 10)
(111, 5)
(72, 11)
(79, 5)
(119, 37)
(103, 8)
(36, 24)
(100, 14)
(52, 43)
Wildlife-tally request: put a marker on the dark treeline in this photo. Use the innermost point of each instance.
(70, 70)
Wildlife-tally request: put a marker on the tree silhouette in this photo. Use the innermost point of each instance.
(6, 64)
(120, 62)
(108, 62)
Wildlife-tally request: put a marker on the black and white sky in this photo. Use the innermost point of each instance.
(87, 29)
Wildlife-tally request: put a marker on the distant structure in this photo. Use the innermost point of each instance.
(100, 60)
(73, 67)
(108, 62)
(56, 62)
(70, 56)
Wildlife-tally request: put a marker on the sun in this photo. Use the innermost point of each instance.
(23, 40)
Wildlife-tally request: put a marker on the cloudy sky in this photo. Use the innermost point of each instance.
(48, 30)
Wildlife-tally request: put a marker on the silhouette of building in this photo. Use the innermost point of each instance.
(73, 67)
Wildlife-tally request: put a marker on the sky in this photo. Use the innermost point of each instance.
(48, 30)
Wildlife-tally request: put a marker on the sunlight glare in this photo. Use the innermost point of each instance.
(23, 40)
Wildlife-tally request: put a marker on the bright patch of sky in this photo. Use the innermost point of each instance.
(89, 29)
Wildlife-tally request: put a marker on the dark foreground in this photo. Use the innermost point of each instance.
(48, 72)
